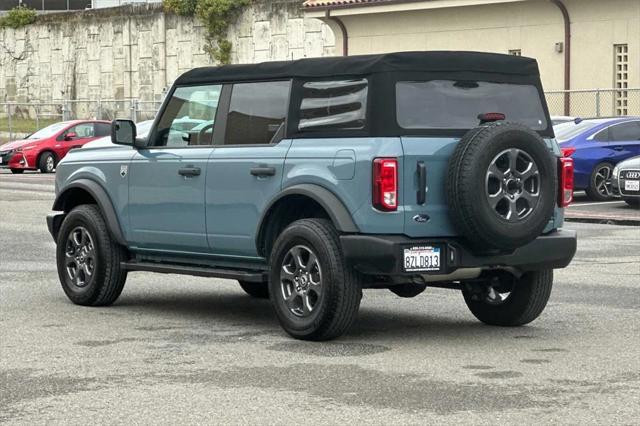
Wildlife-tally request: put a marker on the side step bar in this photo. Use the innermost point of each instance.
(251, 276)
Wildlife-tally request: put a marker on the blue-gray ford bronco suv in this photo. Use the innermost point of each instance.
(310, 180)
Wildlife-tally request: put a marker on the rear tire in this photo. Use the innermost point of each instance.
(88, 259)
(526, 301)
(47, 162)
(315, 294)
(599, 188)
(17, 171)
(257, 290)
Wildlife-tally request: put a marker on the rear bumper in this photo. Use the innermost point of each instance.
(382, 254)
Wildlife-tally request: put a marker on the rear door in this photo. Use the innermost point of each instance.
(245, 169)
(167, 179)
(436, 113)
(624, 140)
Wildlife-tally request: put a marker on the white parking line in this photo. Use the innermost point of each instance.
(595, 204)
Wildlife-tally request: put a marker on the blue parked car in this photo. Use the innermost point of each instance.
(307, 181)
(596, 146)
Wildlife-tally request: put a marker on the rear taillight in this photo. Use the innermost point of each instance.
(565, 180)
(568, 152)
(385, 184)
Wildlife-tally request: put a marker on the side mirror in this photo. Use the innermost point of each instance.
(123, 132)
(70, 136)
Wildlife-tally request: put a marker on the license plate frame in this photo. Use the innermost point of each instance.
(423, 258)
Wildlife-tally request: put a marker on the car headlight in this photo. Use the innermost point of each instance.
(615, 172)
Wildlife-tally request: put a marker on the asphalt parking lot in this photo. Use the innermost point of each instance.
(194, 350)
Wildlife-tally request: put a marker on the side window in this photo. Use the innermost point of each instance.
(189, 117)
(333, 105)
(81, 131)
(602, 136)
(257, 112)
(629, 131)
(102, 129)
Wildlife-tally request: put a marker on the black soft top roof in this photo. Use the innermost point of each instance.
(433, 61)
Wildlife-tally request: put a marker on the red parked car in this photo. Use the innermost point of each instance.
(45, 148)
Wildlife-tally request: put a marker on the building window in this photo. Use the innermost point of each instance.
(515, 52)
(621, 77)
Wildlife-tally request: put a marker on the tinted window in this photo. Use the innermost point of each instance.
(446, 104)
(328, 105)
(257, 112)
(188, 117)
(625, 132)
(103, 129)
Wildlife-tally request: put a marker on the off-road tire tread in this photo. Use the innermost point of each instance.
(341, 309)
(530, 297)
(112, 278)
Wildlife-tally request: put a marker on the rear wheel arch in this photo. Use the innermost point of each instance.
(301, 202)
(85, 191)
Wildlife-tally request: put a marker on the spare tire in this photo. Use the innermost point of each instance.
(501, 186)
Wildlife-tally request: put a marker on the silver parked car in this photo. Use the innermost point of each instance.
(626, 181)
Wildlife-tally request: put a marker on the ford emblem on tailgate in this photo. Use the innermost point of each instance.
(421, 218)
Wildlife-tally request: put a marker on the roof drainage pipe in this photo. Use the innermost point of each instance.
(567, 54)
(343, 30)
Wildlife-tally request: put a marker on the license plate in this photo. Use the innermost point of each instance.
(0, 160)
(421, 259)
(632, 185)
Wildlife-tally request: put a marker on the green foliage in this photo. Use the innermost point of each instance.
(180, 7)
(18, 17)
(216, 15)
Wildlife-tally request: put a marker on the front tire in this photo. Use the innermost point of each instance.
(47, 162)
(600, 183)
(315, 294)
(257, 290)
(509, 301)
(88, 259)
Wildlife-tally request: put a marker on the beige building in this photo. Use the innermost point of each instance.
(579, 44)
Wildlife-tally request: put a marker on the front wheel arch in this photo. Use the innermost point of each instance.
(85, 191)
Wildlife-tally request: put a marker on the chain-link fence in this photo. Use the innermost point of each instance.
(19, 119)
(594, 103)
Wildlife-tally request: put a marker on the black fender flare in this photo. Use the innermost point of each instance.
(335, 208)
(102, 199)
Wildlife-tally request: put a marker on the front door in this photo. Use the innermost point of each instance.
(167, 179)
(245, 171)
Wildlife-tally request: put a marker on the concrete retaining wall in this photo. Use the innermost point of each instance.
(137, 51)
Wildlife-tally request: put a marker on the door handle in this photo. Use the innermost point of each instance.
(421, 195)
(618, 148)
(263, 171)
(189, 171)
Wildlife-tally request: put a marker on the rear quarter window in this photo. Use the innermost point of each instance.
(333, 105)
(446, 104)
